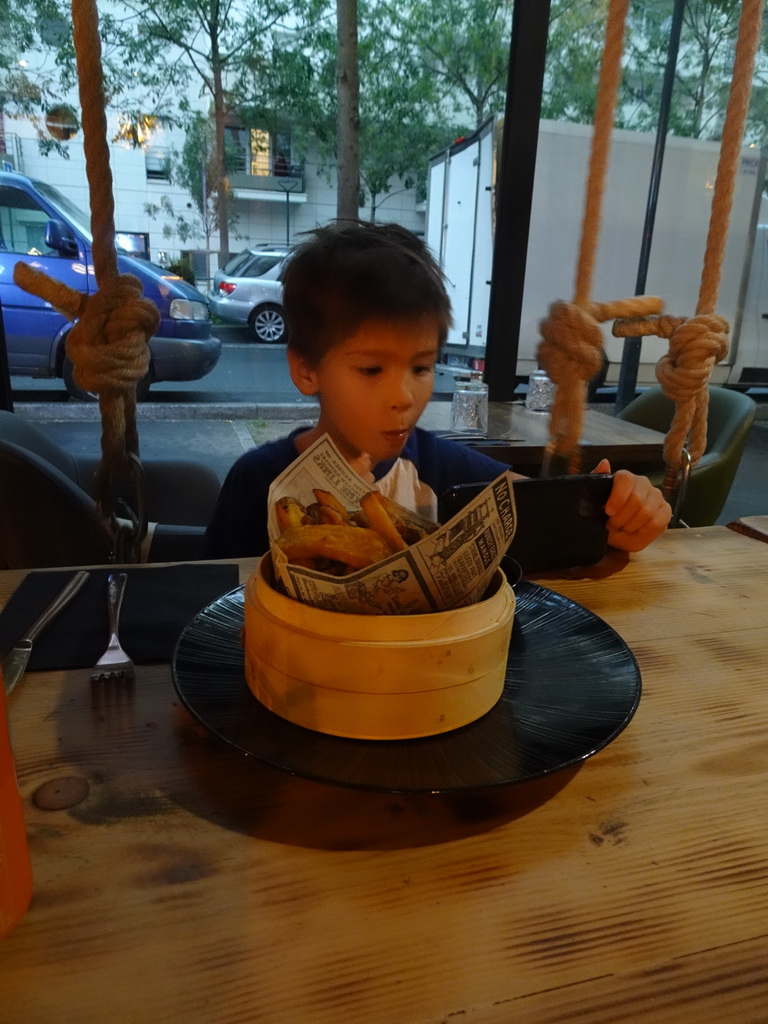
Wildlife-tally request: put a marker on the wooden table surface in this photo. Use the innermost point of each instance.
(194, 885)
(627, 445)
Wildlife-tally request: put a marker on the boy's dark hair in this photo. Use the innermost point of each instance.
(351, 271)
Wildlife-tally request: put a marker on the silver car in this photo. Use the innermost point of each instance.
(247, 290)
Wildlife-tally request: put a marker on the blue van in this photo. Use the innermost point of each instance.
(41, 227)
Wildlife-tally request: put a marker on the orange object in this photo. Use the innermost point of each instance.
(15, 868)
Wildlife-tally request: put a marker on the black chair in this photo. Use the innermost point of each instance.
(48, 516)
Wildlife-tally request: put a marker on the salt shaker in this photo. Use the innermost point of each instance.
(469, 408)
(541, 392)
(15, 869)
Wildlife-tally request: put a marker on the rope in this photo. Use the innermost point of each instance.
(572, 347)
(571, 350)
(108, 343)
(697, 343)
(607, 91)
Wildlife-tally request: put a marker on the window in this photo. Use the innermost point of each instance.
(261, 162)
(260, 265)
(22, 224)
(237, 262)
(237, 149)
(157, 163)
(259, 153)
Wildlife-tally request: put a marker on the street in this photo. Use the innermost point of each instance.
(247, 372)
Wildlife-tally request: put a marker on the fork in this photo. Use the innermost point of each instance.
(114, 662)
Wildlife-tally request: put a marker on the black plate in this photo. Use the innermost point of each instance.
(572, 685)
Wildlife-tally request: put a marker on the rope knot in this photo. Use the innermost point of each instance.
(109, 344)
(695, 345)
(571, 351)
(572, 343)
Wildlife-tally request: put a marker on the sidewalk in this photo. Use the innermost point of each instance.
(214, 434)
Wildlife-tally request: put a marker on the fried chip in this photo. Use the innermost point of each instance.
(353, 545)
(289, 512)
(330, 501)
(381, 521)
(329, 538)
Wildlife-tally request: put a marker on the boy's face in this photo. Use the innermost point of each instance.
(372, 387)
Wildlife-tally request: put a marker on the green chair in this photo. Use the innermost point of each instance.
(731, 415)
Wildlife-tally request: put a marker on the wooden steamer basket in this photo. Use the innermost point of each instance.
(375, 677)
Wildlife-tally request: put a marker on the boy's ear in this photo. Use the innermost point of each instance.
(302, 374)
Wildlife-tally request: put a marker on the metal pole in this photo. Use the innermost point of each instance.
(288, 191)
(204, 212)
(525, 83)
(630, 359)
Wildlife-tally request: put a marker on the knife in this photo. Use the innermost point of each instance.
(15, 662)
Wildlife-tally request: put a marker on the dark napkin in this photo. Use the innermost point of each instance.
(157, 605)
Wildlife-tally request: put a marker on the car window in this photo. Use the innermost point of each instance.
(22, 224)
(259, 266)
(234, 264)
(71, 212)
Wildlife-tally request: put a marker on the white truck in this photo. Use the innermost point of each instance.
(460, 230)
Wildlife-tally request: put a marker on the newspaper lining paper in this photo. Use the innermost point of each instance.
(448, 568)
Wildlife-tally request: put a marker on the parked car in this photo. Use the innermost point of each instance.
(247, 290)
(41, 227)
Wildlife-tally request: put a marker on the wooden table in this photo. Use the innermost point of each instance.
(627, 445)
(752, 526)
(193, 886)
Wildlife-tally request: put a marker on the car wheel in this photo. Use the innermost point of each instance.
(77, 394)
(267, 324)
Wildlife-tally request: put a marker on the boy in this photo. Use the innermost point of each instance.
(367, 314)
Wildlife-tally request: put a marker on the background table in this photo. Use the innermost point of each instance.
(193, 885)
(627, 445)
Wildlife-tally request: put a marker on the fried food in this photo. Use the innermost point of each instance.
(329, 538)
(330, 501)
(353, 545)
(289, 512)
(328, 514)
(378, 516)
(410, 534)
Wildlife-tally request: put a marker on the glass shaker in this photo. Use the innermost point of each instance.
(15, 868)
(541, 392)
(469, 408)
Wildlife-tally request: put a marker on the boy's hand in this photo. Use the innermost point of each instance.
(363, 466)
(637, 512)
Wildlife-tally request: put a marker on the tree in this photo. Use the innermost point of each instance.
(703, 73)
(31, 87)
(196, 169)
(406, 113)
(429, 70)
(348, 107)
(213, 42)
(574, 51)
(462, 47)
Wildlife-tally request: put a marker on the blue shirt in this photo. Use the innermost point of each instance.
(427, 466)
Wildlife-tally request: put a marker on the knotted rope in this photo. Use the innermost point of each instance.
(697, 343)
(572, 347)
(109, 341)
(571, 351)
